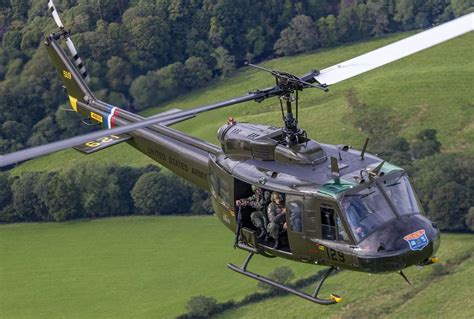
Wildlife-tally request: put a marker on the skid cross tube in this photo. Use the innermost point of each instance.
(313, 298)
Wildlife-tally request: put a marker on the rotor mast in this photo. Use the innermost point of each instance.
(289, 85)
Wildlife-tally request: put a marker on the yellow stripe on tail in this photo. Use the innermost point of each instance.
(73, 102)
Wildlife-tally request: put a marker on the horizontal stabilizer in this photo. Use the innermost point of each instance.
(101, 143)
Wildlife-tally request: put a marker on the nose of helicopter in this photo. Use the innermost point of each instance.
(410, 240)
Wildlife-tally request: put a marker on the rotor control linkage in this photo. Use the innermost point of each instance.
(313, 297)
(287, 84)
(292, 82)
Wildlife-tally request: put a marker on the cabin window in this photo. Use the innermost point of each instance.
(333, 227)
(328, 222)
(295, 209)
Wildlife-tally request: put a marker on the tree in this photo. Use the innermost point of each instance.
(348, 21)
(143, 91)
(160, 194)
(44, 131)
(126, 178)
(255, 41)
(425, 144)
(149, 42)
(445, 185)
(197, 72)
(470, 219)
(300, 36)
(444, 206)
(201, 306)
(397, 151)
(170, 81)
(327, 31)
(405, 13)
(6, 211)
(378, 16)
(119, 74)
(15, 133)
(201, 202)
(462, 7)
(98, 189)
(225, 63)
(27, 204)
(61, 195)
(19, 8)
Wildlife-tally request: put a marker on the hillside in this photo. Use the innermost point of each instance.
(431, 89)
(149, 267)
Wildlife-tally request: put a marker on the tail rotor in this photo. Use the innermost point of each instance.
(70, 45)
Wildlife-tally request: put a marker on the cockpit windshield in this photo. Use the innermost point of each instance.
(366, 210)
(401, 194)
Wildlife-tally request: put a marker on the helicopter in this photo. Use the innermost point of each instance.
(340, 207)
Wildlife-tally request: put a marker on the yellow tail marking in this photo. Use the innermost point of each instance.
(73, 102)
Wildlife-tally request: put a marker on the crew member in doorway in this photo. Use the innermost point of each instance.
(276, 215)
(259, 201)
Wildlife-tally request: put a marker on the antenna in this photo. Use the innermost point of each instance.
(335, 173)
(364, 149)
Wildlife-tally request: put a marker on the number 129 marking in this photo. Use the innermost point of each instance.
(335, 255)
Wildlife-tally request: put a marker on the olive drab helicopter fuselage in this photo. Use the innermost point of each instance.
(343, 208)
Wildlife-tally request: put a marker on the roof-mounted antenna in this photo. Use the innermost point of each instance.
(364, 149)
(335, 173)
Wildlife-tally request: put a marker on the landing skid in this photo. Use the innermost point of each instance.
(313, 297)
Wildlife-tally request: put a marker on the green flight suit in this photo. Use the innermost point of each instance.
(258, 217)
(277, 218)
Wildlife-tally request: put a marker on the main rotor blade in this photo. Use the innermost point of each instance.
(42, 150)
(397, 50)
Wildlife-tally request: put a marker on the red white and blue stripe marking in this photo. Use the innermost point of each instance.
(111, 116)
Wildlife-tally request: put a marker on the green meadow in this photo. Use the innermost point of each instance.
(431, 89)
(149, 267)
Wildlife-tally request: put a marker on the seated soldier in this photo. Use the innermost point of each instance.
(259, 201)
(276, 215)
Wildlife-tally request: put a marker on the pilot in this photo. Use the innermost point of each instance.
(259, 201)
(276, 215)
(354, 217)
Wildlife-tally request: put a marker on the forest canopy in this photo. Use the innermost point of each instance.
(142, 53)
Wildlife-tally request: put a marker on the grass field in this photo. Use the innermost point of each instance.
(431, 89)
(149, 267)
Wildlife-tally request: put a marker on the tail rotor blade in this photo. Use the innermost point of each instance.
(70, 45)
(54, 12)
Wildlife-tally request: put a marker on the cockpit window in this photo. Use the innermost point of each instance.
(401, 194)
(365, 211)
